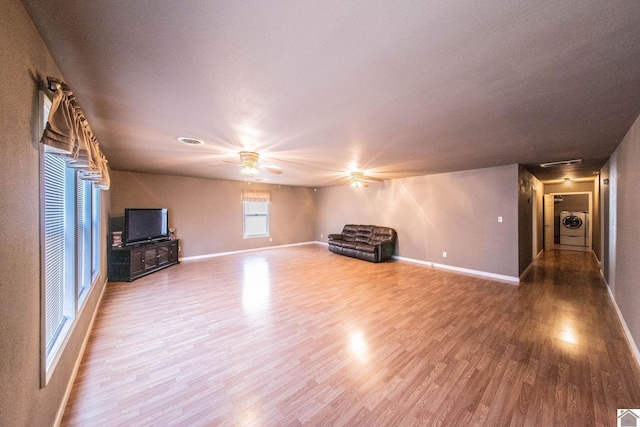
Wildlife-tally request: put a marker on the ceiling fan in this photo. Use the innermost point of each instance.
(359, 179)
(250, 164)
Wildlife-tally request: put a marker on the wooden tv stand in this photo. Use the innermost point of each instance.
(131, 262)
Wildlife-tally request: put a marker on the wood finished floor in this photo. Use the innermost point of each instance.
(301, 336)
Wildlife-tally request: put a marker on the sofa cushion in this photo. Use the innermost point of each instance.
(380, 234)
(365, 247)
(364, 233)
(349, 232)
(350, 245)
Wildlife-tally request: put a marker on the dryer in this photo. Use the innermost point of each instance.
(573, 228)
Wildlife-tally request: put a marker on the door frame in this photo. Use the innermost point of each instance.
(590, 228)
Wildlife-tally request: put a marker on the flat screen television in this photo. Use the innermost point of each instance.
(144, 225)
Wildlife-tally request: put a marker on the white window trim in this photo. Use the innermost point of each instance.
(244, 221)
(74, 307)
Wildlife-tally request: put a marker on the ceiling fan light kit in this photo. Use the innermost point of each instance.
(357, 180)
(249, 163)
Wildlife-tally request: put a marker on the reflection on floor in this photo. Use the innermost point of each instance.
(571, 248)
(301, 336)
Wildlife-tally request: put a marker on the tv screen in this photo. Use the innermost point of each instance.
(142, 225)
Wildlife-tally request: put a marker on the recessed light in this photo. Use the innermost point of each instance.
(190, 141)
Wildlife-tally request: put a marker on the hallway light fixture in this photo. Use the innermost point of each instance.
(567, 181)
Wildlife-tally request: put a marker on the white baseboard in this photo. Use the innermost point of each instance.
(461, 270)
(627, 332)
(196, 257)
(450, 267)
(76, 366)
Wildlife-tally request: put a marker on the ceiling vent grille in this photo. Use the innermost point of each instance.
(190, 141)
(561, 163)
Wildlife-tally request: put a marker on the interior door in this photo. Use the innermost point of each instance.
(548, 222)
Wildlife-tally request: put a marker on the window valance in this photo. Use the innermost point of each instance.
(68, 135)
(251, 195)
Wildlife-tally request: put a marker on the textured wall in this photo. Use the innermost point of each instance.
(453, 212)
(207, 213)
(622, 198)
(574, 187)
(24, 59)
(573, 203)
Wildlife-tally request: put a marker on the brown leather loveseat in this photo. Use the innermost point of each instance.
(367, 242)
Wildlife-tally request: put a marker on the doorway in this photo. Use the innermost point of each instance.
(568, 221)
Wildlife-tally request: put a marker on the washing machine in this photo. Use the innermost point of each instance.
(573, 228)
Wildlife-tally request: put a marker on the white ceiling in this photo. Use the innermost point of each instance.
(320, 88)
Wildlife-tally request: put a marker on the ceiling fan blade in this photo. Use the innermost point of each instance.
(276, 171)
(234, 162)
(271, 168)
(360, 185)
(372, 179)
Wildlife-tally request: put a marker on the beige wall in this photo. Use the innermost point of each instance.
(572, 203)
(574, 187)
(621, 204)
(207, 213)
(453, 212)
(22, 402)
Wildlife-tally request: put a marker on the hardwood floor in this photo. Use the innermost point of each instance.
(301, 336)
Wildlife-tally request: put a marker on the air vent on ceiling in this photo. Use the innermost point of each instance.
(561, 163)
(190, 141)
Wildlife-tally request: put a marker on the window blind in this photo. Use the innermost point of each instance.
(54, 246)
(81, 234)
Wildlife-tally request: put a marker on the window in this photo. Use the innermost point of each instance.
(70, 248)
(256, 219)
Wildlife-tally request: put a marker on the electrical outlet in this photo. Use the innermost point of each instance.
(499, 219)
(271, 239)
(321, 236)
(444, 254)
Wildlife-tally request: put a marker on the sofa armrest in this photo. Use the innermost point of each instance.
(383, 249)
(335, 237)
